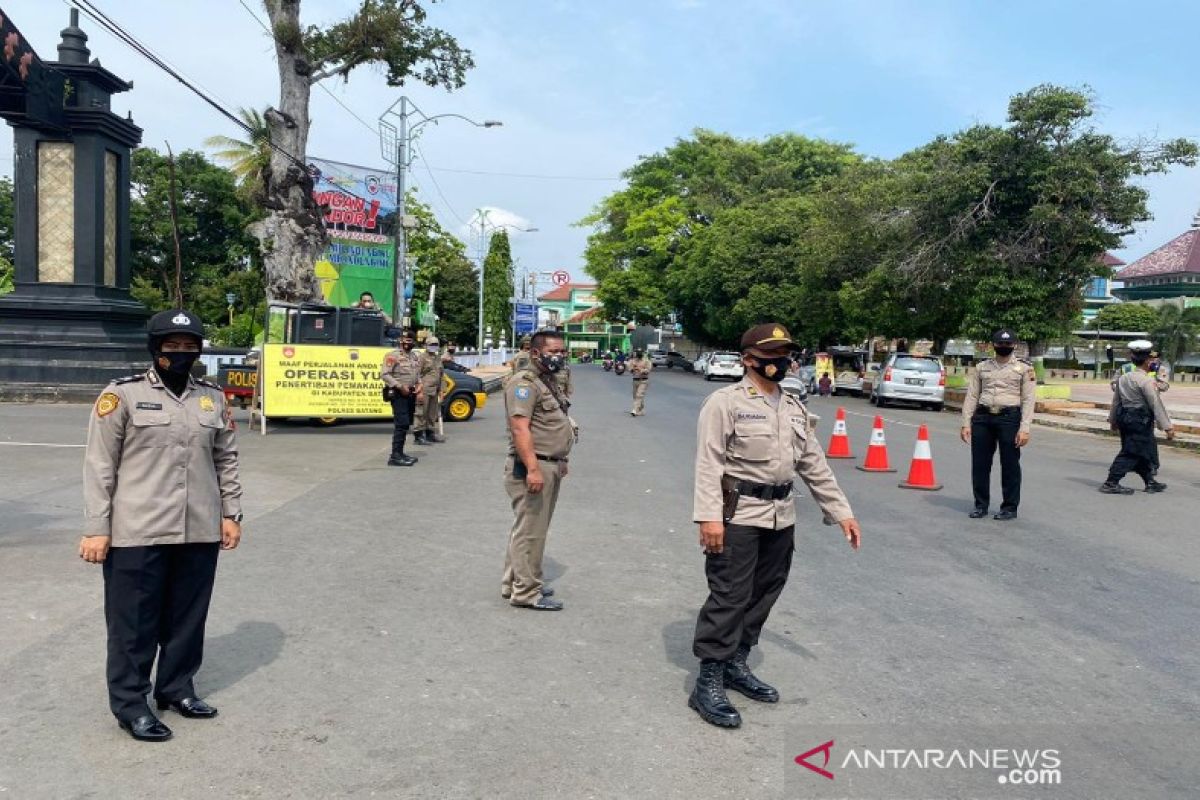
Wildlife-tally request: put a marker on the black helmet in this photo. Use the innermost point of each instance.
(173, 321)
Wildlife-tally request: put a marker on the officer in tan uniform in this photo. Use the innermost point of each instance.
(998, 412)
(402, 387)
(1136, 409)
(640, 368)
(521, 361)
(161, 499)
(752, 441)
(540, 439)
(563, 379)
(429, 404)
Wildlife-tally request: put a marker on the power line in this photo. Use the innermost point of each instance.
(438, 187)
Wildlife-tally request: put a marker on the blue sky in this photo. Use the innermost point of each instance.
(584, 88)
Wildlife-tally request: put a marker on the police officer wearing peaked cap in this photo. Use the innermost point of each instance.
(752, 440)
(1136, 409)
(998, 413)
(161, 498)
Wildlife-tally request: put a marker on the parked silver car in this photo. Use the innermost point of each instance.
(910, 379)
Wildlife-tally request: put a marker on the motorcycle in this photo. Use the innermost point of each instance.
(608, 364)
(619, 368)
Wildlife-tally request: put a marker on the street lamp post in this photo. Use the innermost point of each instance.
(482, 215)
(230, 299)
(396, 141)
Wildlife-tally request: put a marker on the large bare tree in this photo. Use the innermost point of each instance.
(390, 33)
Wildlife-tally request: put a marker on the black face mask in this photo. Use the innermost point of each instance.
(1004, 349)
(551, 363)
(178, 363)
(773, 369)
(406, 346)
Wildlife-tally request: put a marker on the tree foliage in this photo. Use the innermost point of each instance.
(498, 286)
(7, 217)
(1126, 317)
(996, 225)
(442, 261)
(1177, 332)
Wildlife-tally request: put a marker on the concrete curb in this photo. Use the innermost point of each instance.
(1063, 423)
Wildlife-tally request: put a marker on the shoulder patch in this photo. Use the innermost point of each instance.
(141, 376)
(521, 391)
(107, 404)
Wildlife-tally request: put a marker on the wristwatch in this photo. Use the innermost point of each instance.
(234, 517)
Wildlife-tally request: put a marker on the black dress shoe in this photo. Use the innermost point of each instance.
(1005, 515)
(191, 707)
(1109, 487)
(978, 513)
(1153, 487)
(543, 603)
(146, 729)
(402, 461)
(420, 439)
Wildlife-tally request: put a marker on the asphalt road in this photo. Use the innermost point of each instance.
(358, 645)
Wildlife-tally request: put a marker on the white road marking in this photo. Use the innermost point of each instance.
(38, 444)
(888, 420)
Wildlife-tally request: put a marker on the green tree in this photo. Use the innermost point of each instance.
(498, 286)
(217, 252)
(6, 236)
(249, 158)
(1175, 333)
(1126, 317)
(389, 34)
(442, 262)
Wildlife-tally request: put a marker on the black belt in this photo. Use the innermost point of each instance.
(552, 459)
(764, 491)
(994, 410)
(641, 378)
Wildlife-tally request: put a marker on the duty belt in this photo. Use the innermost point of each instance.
(764, 491)
(999, 409)
(553, 459)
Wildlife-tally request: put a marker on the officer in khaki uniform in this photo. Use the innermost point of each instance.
(400, 373)
(1136, 409)
(640, 368)
(752, 441)
(429, 403)
(161, 498)
(521, 361)
(540, 438)
(566, 385)
(998, 413)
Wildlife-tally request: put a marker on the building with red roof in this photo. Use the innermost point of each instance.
(1170, 273)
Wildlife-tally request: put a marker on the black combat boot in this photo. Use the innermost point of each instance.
(709, 698)
(739, 678)
(1153, 486)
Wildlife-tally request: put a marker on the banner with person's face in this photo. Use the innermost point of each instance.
(360, 215)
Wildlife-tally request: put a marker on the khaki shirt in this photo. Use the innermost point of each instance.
(159, 469)
(520, 362)
(399, 369)
(527, 395)
(640, 367)
(1139, 389)
(430, 369)
(996, 385)
(742, 435)
(563, 379)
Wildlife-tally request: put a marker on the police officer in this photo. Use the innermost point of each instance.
(161, 499)
(566, 385)
(1136, 409)
(540, 438)
(752, 440)
(402, 383)
(521, 361)
(640, 368)
(998, 412)
(429, 406)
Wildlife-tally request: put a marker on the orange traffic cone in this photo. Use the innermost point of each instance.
(877, 455)
(920, 474)
(839, 443)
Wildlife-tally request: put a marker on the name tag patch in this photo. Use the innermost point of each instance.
(749, 415)
(144, 406)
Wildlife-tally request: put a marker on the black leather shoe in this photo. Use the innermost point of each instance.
(420, 439)
(543, 603)
(436, 439)
(191, 707)
(709, 700)
(546, 592)
(146, 729)
(978, 513)
(1108, 487)
(739, 678)
(1154, 487)
(402, 461)
(1005, 515)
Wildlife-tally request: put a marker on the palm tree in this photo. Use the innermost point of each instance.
(1176, 333)
(248, 160)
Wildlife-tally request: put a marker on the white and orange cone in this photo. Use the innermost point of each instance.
(877, 454)
(920, 474)
(839, 443)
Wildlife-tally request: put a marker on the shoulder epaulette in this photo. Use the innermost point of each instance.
(209, 384)
(141, 376)
(1025, 361)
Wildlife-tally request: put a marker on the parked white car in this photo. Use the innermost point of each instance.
(700, 365)
(724, 365)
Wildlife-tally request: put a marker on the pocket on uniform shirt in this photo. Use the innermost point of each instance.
(755, 447)
(150, 427)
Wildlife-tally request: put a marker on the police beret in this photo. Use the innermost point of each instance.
(768, 336)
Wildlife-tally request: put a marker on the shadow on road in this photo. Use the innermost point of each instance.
(952, 502)
(230, 658)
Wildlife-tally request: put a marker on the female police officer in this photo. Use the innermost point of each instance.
(161, 497)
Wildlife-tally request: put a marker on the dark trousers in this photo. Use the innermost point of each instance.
(744, 581)
(1139, 450)
(155, 603)
(402, 415)
(989, 431)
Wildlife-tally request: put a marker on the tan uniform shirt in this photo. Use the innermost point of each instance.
(520, 362)
(994, 386)
(527, 395)
(399, 370)
(430, 369)
(563, 379)
(159, 469)
(1139, 389)
(741, 434)
(641, 367)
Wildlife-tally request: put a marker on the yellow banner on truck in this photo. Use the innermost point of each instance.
(321, 380)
